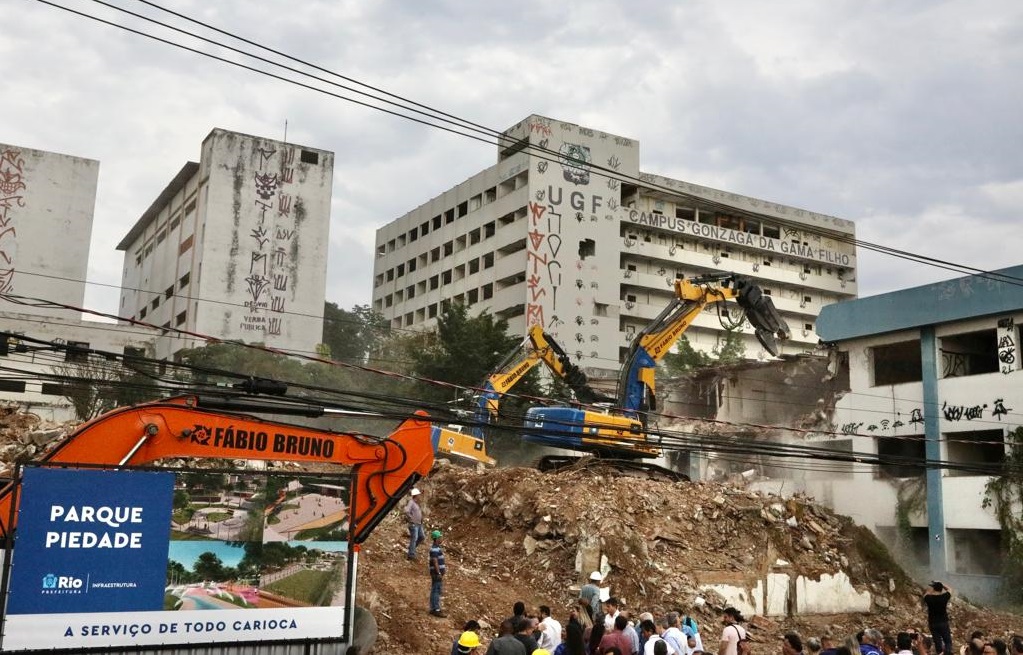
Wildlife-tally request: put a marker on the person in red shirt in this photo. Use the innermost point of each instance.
(616, 639)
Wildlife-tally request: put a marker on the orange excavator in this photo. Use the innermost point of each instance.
(383, 470)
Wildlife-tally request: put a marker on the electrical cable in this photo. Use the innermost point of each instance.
(532, 148)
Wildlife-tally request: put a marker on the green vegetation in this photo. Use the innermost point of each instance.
(730, 349)
(1004, 494)
(305, 586)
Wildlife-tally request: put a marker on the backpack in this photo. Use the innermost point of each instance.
(745, 646)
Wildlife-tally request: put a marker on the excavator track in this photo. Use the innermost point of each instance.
(634, 467)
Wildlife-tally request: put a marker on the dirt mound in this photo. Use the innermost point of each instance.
(518, 534)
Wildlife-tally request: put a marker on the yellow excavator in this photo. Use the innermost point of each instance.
(619, 430)
(469, 447)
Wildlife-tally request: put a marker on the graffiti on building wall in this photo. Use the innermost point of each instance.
(575, 162)
(12, 183)
(272, 237)
(1006, 345)
(543, 269)
(949, 411)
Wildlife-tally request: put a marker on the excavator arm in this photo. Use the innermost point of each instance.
(382, 469)
(538, 346)
(637, 385)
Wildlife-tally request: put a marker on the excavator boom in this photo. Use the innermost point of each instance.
(382, 469)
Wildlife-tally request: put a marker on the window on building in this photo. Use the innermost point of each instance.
(155, 303)
(185, 245)
(12, 386)
(472, 297)
(751, 225)
(463, 209)
(445, 277)
(475, 237)
(972, 353)
(976, 552)
(489, 229)
(474, 266)
(388, 300)
(143, 312)
(168, 292)
(54, 389)
(599, 309)
(431, 311)
(771, 231)
(180, 319)
(309, 157)
(160, 236)
(449, 216)
(389, 275)
(174, 222)
(902, 456)
(730, 222)
(488, 291)
(434, 282)
(629, 297)
(897, 363)
(413, 234)
(183, 281)
(488, 260)
(401, 271)
(411, 265)
(490, 195)
(449, 248)
(390, 246)
(981, 450)
(424, 229)
(436, 222)
(190, 207)
(475, 202)
(77, 351)
(410, 291)
(587, 248)
(686, 213)
(134, 352)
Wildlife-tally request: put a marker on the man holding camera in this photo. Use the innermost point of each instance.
(936, 599)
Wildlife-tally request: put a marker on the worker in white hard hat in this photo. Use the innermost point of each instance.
(590, 592)
(414, 518)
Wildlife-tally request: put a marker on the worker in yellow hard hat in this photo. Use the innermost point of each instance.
(467, 643)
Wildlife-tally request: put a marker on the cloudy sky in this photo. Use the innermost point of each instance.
(902, 116)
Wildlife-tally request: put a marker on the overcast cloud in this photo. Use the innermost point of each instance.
(901, 116)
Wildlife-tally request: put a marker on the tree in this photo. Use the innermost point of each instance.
(731, 349)
(89, 383)
(351, 335)
(462, 351)
(686, 358)
(210, 567)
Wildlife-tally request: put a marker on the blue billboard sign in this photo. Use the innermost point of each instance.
(91, 541)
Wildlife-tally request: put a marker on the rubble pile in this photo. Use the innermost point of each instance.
(25, 436)
(519, 534)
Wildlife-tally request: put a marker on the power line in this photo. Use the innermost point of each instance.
(533, 149)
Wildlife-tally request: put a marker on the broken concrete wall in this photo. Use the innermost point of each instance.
(784, 594)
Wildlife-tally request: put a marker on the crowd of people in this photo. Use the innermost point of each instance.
(601, 627)
(612, 630)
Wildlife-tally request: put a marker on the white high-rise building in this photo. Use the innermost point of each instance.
(235, 247)
(566, 231)
(47, 201)
(46, 207)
